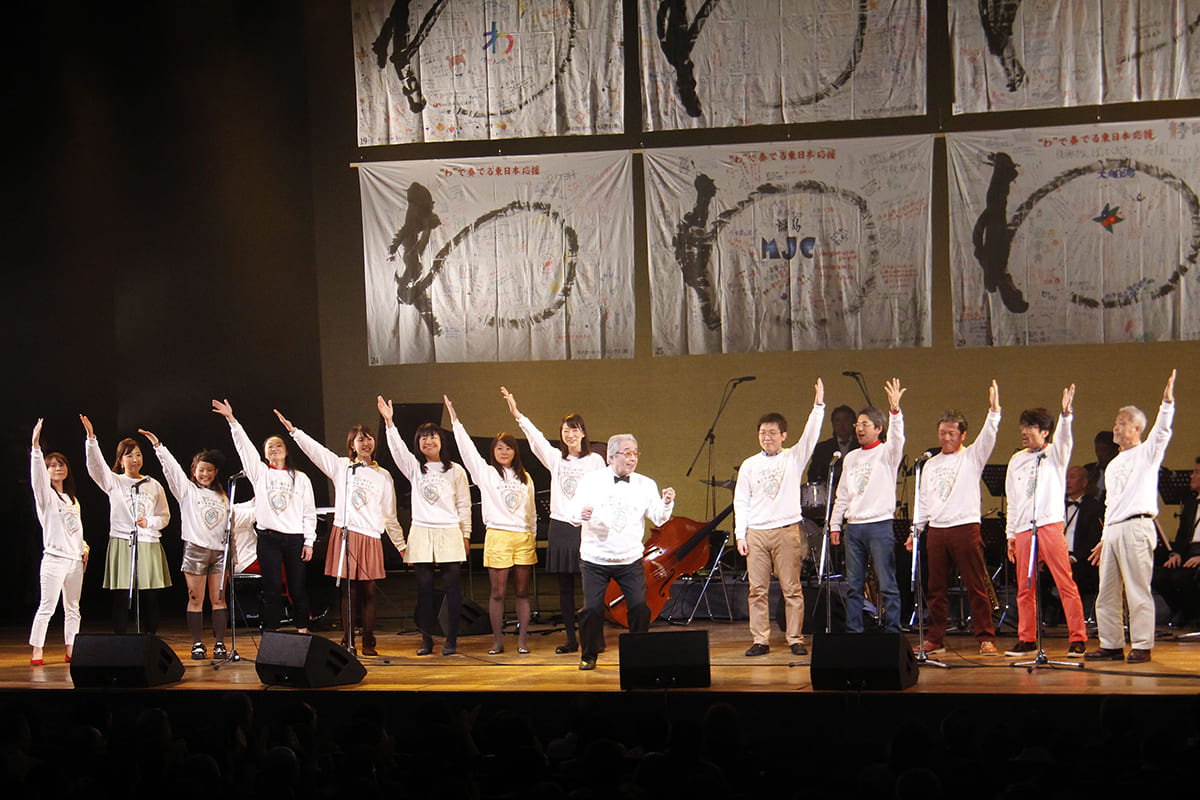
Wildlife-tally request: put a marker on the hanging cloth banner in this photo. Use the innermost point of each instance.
(1077, 234)
(446, 70)
(725, 63)
(500, 259)
(790, 245)
(1011, 55)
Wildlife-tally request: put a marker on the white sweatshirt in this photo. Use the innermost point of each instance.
(1050, 505)
(565, 471)
(867, 489)
(1131, 478)
(768, 487)
(372, 507)
(203, 512)
(508, 500)
(126, 506)
(62, 525)
(283, 499)
(441, 496)
(949, 491)
(614, 533)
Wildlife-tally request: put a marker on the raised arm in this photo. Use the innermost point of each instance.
(1169, 391)
(97, 469)
(326, 460)
(512, 402)
(177, 479)
(475, 463)
(252, 462)
(985, 440)
(1064, 440)
(38, 477)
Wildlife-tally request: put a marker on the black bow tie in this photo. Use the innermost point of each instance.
(1072, 503)
(620, 479)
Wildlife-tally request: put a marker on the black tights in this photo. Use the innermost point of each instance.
(566, 601)
(362, 599)
(426, 613)
(147, 601)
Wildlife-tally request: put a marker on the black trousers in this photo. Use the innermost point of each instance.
(279, 552)
(631, 578)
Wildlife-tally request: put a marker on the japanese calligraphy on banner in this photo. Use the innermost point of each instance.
(499, 259)
(790, 245)
(1083, 234)
(723, 63)
(444, 70)
(1012, 55)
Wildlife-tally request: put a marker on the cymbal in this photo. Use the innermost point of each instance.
(718, 484)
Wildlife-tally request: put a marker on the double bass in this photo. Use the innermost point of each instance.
(677, 547)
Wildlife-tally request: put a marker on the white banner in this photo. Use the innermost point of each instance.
(499, 259)
(1085, 234)
(790, 245)
(724, 63)
(1012, 55)
(444, 70)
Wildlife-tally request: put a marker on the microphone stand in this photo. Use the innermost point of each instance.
(1032, 579)
(227, 579)
(710, 495)
(923, 658)
(824, 575)
(135, 600)
(343, 557)
(862, 385)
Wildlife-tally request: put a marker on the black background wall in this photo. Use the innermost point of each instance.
(157, 245)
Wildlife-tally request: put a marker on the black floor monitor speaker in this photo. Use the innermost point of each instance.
(473, 621)
(862, 661)
(123, 659)
(670, 660)
(305, 661)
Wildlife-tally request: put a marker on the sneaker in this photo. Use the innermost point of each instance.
(219, 650)
(1076, 650)
(757, 649)
(198, 652)
(988, 649)
(798, 649)
(1021, 649)
(1105, 654)
(932, 649)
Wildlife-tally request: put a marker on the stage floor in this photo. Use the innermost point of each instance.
(1175, 669)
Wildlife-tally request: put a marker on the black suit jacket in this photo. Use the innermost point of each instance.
(1089, 524)
(1187, 519)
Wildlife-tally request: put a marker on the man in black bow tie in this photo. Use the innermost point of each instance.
(1084, 514)
(1178, 579)
(611, 505)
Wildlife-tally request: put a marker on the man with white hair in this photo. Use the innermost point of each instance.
(610, 506)
(1126, 549)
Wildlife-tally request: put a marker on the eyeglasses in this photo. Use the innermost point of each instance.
(628, 453)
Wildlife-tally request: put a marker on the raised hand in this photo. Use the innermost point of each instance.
(894, 393)
(154, 440)
(385, 410)
(993, 397)
(1169, 392)
(668, 496)
(37, 434)
(87, 426)
(512, 402)
(450, 410)
(286, 423)
(1068, 400)
(223, 408)
(819, 393)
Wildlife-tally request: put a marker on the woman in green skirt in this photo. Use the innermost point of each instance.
(137, 507)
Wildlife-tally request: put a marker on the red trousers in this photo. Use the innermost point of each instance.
(1052, 551)
(961, 546)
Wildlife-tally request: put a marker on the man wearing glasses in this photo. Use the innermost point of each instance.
(866, 504)
(767, 511)
(610, 505)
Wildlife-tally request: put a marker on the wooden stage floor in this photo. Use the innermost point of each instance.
(1175, 669)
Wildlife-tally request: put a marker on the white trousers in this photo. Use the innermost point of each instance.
(60, 576)
(1127, 561)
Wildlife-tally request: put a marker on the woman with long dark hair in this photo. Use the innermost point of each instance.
(64, 551)
(136, 503)
(285, 511)
(509, 514)
(568, 462)
(364, 507)
(440, 535)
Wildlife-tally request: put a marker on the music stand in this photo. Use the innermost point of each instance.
(993, 477)
(1174, 485)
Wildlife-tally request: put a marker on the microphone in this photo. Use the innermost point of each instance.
(354, 465)
(744, 379)
(836, 455)
(237, 475)
(930, 453)
(851, 373)
(139, 483)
